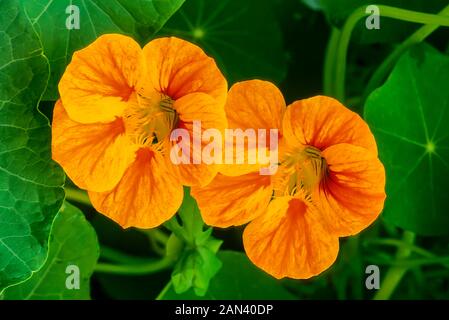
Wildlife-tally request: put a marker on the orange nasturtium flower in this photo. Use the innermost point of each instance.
(111, 128)
(329, 182)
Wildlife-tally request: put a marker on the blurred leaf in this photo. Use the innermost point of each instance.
(243, 36)
(347, 273)
(313, 4)
(132, 241)
(140, 19)
(362, 62)
(72, 242)
(31, 190)
(408, 117)
(124, 287)
(304, 49)
(337, 11)
(238, 279)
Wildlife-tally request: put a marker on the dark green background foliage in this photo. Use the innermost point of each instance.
(283, 41)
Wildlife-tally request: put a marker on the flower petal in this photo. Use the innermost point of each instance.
(94, 156)
(253, 104)
(233, 201)
(176, 68)
(290, 241)
(146, 196)
(208, 114)
(101, 78)
(353, 194)
(322, 122)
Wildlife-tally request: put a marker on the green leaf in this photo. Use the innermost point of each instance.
(195, 270)
(243, 36)
(31, 190)
(409, 117)
(196, 248)
(337, 11)
(73, 242)
(139, 19)
(191, 218)
(238, 279)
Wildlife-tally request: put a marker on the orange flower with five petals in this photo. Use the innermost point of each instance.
(111, 128)
(329, 183)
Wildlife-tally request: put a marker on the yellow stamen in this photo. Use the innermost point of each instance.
(302, 170)
(149, 119)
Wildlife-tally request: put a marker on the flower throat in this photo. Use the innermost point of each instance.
(149, 119)
(304, 169)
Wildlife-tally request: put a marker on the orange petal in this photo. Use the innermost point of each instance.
(100, 79)
(176, 68)
(353, 194)
(94, 156)
(322, 122)
(146, 196)
(253, 104)
(233, 201)
(208, 114)
(290, 241)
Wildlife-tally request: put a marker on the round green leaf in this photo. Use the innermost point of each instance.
(237, 279)
(73, 244)
(139, 19)
(243, 36)
(31, 190)
(409, 117)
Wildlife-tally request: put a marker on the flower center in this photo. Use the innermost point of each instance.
(149, 119)
(301, 169)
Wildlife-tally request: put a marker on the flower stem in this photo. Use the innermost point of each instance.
(76, 195)
(158, 235)
(134, 268)
(161, 295)
(396, 273)
(386, 11)
(158, 240)
(401, 244)
(329, 62)
(444, 261)
(381, 73)
(113, 255)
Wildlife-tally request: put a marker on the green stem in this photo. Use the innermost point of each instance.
(158, 235)
(76, 195)
(329, 62)
(164, 290)
(157, 238)
(386, 11)
(120, 257)
(444, 261)
(431, 258)
(400, 244)
(395, 273)
(381, 73)
(174, 226)
(135, 269)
